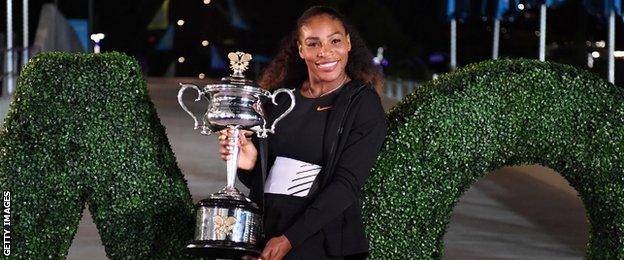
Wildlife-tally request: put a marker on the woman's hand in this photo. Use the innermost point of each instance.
(248, 152)
(276, 248)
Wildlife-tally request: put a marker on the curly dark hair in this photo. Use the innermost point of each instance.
(287, 69)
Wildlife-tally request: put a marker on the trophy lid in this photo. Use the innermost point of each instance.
(239, 63)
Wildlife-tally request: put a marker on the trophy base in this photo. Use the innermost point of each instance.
(230, 193)
(228, 226)
(221, 249)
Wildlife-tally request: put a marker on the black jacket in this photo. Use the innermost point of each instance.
(354, 134)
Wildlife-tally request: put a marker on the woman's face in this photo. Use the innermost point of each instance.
(324, 45)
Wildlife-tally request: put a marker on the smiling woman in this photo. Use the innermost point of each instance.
(321, 31)
(324, 45)
(322, 152)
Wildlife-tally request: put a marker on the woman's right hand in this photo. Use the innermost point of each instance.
(248, 153)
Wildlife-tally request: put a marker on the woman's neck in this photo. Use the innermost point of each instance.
(316, 87)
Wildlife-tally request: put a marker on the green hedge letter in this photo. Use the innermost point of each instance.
(454, 130)
(82, 130)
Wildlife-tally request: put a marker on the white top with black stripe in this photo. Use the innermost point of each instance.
(291, 177)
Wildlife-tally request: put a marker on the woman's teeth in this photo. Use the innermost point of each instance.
(327, 65)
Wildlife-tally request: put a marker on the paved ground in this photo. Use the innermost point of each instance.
(514, 213)
(518, 213)
(4, 108)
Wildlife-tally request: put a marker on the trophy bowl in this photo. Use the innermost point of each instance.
(234, 105)
(228, 224)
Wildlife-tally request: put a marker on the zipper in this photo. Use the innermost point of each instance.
(341, 127)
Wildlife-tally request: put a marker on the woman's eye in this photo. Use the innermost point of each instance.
(335, 41)
(312, 44)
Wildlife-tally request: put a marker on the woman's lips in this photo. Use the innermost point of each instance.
(327, 66)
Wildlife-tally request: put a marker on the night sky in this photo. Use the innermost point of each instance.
(415, 34)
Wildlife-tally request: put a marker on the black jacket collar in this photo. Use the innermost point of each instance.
(333, 129)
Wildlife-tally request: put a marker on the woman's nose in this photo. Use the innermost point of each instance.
(324, 50)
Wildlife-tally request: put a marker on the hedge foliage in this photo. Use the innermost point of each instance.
(454, 130)
(82, 129)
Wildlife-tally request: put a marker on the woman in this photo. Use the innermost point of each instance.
(322, 152)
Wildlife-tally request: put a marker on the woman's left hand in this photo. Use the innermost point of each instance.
(276, 248)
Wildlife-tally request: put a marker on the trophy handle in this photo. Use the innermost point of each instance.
(196, 125)
(263, 132)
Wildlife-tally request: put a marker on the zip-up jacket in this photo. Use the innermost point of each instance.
(354, 133)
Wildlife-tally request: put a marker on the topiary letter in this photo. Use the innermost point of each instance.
(444, 137)
(82, 129)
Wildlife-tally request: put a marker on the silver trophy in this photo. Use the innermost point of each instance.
(228, 224)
